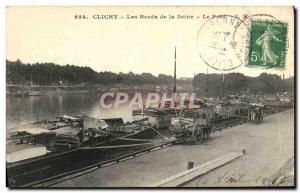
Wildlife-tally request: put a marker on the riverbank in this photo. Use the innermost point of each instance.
(268, 147)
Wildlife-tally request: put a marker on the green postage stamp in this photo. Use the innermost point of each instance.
(267, 44)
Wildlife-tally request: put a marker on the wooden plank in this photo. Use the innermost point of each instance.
(188, 175)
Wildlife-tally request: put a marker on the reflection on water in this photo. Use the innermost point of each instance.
(23, 110)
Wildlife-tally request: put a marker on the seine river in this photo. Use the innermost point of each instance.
(26, 109)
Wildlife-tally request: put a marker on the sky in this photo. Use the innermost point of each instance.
(51, 34)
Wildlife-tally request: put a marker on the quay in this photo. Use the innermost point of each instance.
(269, 146)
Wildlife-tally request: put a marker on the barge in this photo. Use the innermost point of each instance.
(35, 152)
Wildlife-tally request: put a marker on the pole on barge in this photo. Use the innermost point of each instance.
(194, 86)
(207, 86)
(174, 84)
(223, 79)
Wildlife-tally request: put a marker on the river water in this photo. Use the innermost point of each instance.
(26, 109)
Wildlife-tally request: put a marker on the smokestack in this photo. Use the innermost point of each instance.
(174, 88)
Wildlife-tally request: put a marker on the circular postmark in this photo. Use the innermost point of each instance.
(219, 46)
(265, 43)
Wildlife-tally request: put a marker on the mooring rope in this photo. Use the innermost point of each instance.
(131, 139)
(160, 134)
(118, 146)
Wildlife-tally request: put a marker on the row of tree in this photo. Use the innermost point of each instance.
(53, 74)
(216, 84)
(47, 74)
(212, 84)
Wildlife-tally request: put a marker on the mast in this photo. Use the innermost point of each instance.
(284, 85)
(174, 88)
(223, 79)
(194, 83)
(207, 85)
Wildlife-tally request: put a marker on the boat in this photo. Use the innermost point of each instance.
(82, 141)
(35, 93)
(70, 132)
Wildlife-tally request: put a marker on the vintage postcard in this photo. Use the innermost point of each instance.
(129, 96)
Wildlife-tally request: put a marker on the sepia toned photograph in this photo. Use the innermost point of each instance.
(150, 97)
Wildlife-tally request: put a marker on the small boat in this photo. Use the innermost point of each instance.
(76, 132)
(35, 93)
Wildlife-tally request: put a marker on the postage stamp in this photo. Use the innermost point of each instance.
(267, 45)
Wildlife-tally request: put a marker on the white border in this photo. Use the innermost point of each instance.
(4, 3)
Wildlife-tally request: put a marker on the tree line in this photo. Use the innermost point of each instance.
(53, 74)
(211, 84)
